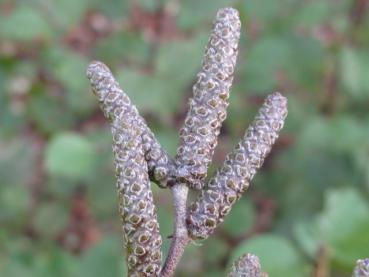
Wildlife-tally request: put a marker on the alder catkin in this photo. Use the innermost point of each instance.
(240, 166)
(361, 269)
(136, 206)
(207, 111)
(116, 105)
(248, 265)
(140, 227)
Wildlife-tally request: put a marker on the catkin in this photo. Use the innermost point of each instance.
(140, 227)
(207, 111)
(240, 166)
(361, 269)
(116, 105)
(247, 265)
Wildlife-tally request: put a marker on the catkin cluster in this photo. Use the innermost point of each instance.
(361, 269)
(116, 104)
(240, 166)
(207, 111)
(248, 265)
(139, 157)
(140, 227)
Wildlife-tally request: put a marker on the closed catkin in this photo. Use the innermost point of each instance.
(361, 269)
(207, 111)
(248, 265)
(240, 166)
(116, 105)
(140, 227)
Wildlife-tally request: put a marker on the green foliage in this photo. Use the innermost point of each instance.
(70, 155)
(354, 72)
(347, 211)
(277, 255)
(103, 259)
(241, 219)
(34, 25)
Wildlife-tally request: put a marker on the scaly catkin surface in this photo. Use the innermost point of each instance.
(207, 111)
(240, 166)
(116, 105)
(247, 265)
(140, 227)
(361, 269)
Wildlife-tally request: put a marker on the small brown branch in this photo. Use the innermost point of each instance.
(322, 262)
(180, 238)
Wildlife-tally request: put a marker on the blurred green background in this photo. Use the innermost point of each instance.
(306, 212)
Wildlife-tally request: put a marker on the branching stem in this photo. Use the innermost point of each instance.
(180, 237)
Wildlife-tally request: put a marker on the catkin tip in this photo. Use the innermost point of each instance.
(227, 10)
(94, 67)
(277, 96)
(248, 265)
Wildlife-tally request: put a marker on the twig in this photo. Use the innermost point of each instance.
(180, 238)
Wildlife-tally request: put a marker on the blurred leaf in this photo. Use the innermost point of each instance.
(48, 112)
(348, 210)
(191, 262)
(305, 66)
(17, 162)
(342, 225)
(25, 23)
(113, 8)
(129, 47)
(63, 14)
(54, 261)
(150, 5)
(241, 219)
(308, 237)
(262, 10)
(277, 255)
(265, 58)
(214, 250)
(16, 268)
(178, 61)
(147, 92)
(165, 217)
(70, 70)
(315, 12)
(154, 93)
(169, 139)
(15, 202)
(70, 155)
(194, 13)
(50, 219)
(17, 166)
(104, 259)
(339, 134)
(354, 71)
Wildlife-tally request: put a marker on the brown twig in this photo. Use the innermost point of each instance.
(180, 237)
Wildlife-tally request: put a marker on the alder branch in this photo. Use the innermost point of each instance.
(139, 156)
